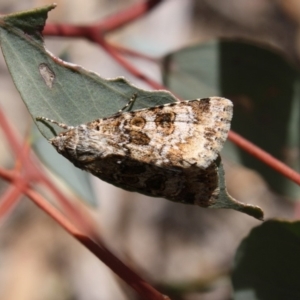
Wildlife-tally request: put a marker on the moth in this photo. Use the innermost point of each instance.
(170, 151)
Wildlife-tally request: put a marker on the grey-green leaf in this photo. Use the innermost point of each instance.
(58, 90)
(70, 94)
(267, 263)
(227, 201)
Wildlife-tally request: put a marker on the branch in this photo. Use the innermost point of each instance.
(98, 248)
(265, 157)
(109, 24)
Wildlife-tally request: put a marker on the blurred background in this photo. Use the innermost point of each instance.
(171, 245)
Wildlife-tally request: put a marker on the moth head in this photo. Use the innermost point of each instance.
(65, 143)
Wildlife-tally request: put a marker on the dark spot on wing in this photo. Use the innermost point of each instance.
(205, 104)
(138, 138)
(165, 122)
(138, 122)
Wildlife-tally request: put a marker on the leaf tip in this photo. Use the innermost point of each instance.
(252, 210)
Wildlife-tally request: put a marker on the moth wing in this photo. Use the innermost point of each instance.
(178, 134)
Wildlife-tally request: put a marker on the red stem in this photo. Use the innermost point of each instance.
(145, 290)
(110, 23)
(10, 197)
(127, 15)
(35, 174)
(264, 156)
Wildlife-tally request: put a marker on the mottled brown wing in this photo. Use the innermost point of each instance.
(179, 134)
(191, 185)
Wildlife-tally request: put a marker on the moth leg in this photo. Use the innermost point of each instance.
(62, 125)
(129, 103)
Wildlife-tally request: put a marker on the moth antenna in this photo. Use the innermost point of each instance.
(62, 125)
(129, 103)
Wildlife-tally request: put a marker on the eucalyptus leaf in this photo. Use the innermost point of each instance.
(267, 263)
(69, 94)
(59, 90)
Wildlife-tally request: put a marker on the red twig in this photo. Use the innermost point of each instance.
(124, 62)
(110, 23)
(10, 198)
(98, 248)
(131, 278)
(265, 157)
(130, 52)
(35, 174)
(127, 15)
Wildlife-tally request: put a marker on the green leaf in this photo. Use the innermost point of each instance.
(267, 263)
(72, 95)
(265, 91)
(58, 90)
(226, 201)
